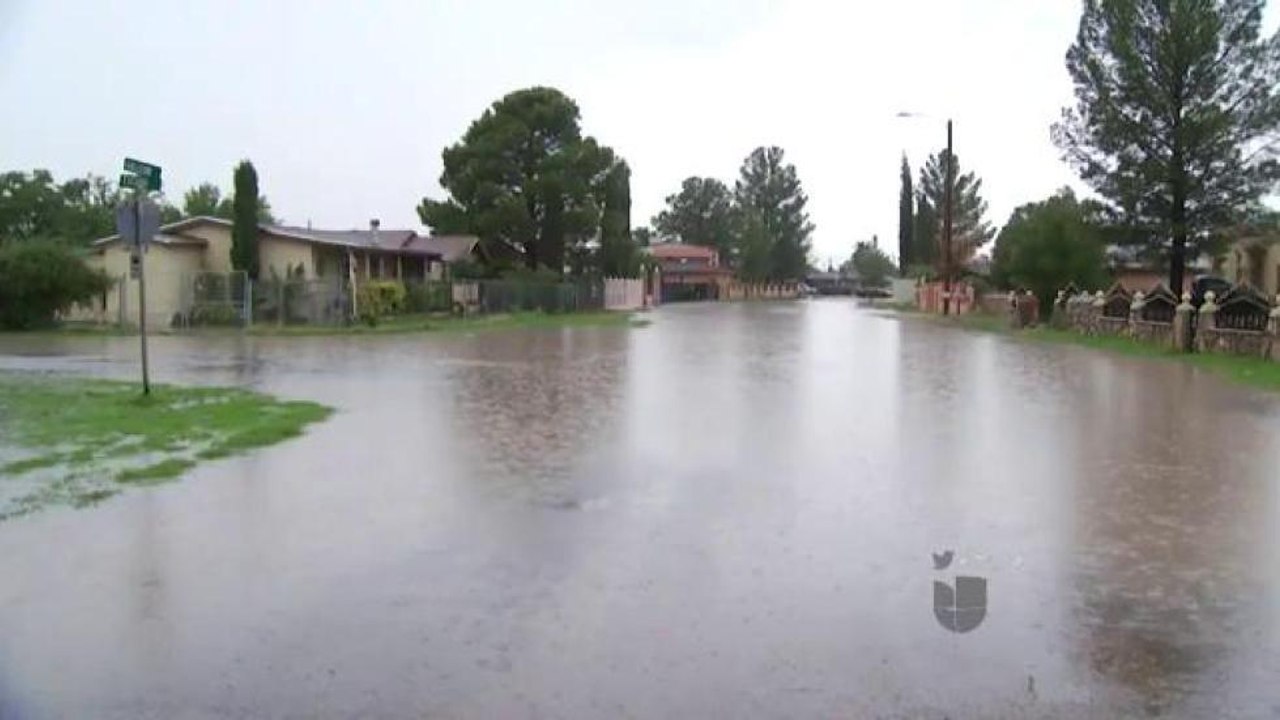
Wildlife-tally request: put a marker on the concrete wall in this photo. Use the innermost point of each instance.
(166, 268)
(623, 293)
(216, 256)
(282, 255)
(903, 289)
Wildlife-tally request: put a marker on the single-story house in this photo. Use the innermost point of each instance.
(186, 248)
(1254, 259)
(690, 272)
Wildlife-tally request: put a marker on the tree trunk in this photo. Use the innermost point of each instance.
(1178, 251)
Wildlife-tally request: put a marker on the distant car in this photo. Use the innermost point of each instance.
(873, 293)
(1206, 284)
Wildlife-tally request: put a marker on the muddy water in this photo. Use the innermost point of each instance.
(730, 513)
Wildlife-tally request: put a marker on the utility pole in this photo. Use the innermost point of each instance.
(946, 226)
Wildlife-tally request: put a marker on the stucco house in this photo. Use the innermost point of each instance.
(1254, 259)
(690, 272)
(185, 249)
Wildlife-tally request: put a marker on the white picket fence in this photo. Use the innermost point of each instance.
(623, 293)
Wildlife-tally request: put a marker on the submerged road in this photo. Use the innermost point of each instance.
(730, 513)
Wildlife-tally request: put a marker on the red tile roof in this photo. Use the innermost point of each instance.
(675, 251)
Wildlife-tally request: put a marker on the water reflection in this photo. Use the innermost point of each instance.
(728, 513)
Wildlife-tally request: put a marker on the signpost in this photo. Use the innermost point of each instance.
(137, 221)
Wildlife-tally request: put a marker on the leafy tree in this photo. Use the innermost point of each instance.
(873, 266)
(702, 213)
(618, 256)
(206, 199)
(1048, 244)
(523, 178)
(753, 246)
(1176, 116)
(771, 189)
(906, 219)
(642, 236)
(169, 214)
(88, 209)
(244, 228)
(39, 278)
(969, 230)
(30, 205)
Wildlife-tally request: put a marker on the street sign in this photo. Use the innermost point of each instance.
(151, 173)
(132, 182)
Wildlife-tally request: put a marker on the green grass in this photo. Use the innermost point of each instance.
(1245, 370)
(85, 436)
(156, 472)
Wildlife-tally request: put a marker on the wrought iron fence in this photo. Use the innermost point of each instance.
(1118, 303)
(1243, 308)
(1160, 306)
(502, 296)
(427, 296)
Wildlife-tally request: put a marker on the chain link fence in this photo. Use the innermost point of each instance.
(231, 299)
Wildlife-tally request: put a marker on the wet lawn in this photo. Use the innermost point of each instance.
(72, 441)
(1252, 371)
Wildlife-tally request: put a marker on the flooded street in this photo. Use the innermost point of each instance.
(729, 513)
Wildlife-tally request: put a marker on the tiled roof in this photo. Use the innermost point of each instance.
(680, 250)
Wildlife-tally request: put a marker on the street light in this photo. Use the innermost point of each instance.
(948, 182)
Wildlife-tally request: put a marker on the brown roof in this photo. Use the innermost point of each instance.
(672, 251)
(450, 248)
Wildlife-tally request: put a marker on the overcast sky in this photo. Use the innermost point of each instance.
(344, 106)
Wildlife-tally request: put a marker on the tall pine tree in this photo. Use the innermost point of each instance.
(618, 256)
(1177, 116)
(969, 229)
(771, 190)
(244, 222)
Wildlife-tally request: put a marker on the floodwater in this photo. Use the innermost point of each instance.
(727, 514)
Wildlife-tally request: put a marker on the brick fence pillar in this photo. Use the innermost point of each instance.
(1182, 332)
(1094, 317)
(1207, 322)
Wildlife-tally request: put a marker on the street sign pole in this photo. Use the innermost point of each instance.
(139, 224)
(138, 247)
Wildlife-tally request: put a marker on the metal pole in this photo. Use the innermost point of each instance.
(142, 286)
(946, 232)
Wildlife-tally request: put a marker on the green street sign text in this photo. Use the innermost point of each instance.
(145, 171)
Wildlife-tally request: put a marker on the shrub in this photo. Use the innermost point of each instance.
(378, 299)
(40, 278)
